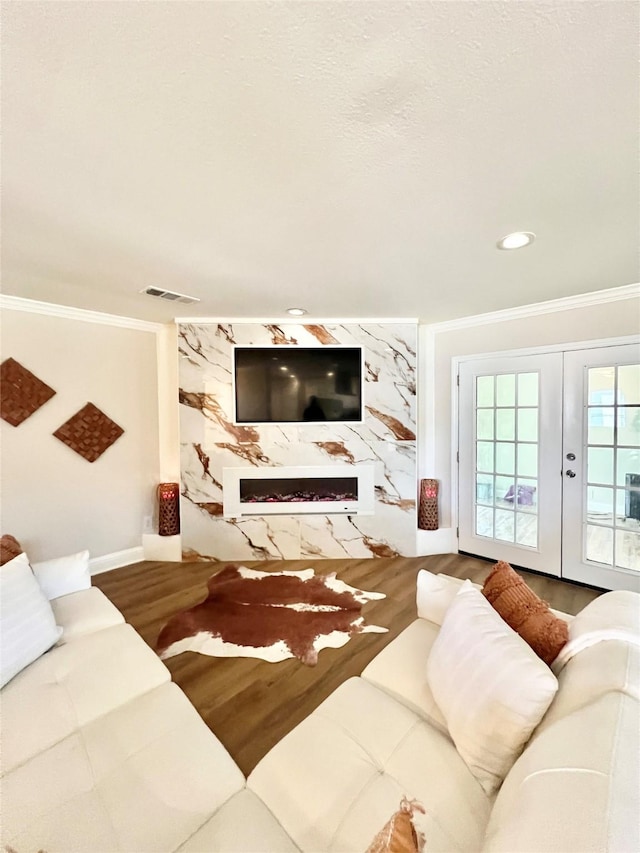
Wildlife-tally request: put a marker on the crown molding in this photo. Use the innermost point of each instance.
(295, 321)
(598, 297)
(565, 303)
(32, 306)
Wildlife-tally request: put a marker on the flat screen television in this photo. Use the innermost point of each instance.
(291, 384)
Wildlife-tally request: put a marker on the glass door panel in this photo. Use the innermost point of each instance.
(602, 489)
(512, 458)
(606, 507)
(549, 463)
(502, 444)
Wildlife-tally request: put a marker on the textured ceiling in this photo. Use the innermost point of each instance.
(358, 159)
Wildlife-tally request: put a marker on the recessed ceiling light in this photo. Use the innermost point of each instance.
(516, 240)
(296, 312)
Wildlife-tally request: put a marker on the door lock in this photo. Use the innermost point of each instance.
(571, 474)
(571, 456)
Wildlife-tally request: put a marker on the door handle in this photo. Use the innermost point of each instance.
(571, 474)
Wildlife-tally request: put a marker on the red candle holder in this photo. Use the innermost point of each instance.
(428, 505)
(168, 509)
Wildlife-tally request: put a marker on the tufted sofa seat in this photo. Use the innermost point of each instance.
(102, 753)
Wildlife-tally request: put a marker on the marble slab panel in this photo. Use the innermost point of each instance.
(211, 441)
(257, 538)
(391, 531)
(332, 537)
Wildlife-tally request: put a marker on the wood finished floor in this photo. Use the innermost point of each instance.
(250, 704)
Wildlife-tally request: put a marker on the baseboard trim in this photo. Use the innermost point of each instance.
(441, 541)
(115, 560)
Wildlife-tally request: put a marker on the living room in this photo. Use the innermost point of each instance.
(361, 164)
(45, 487)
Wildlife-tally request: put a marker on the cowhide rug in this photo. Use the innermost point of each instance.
(269, 615)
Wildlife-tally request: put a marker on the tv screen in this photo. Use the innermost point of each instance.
(290, 384)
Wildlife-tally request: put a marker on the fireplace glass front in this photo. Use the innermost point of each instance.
(299, 490)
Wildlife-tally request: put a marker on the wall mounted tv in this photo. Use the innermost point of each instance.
(291, 384)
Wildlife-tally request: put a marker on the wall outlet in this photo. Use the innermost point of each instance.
(147, 524)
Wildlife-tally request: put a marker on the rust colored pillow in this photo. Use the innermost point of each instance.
(525, 612)
(399, 835)
(9, 548)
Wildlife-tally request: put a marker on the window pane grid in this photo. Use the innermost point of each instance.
(507, 464)
(612, 487)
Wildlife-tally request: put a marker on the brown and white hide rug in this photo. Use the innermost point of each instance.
(269, 615)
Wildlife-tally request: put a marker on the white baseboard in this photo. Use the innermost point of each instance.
(167, 549)
(442, 541)
(116, 560)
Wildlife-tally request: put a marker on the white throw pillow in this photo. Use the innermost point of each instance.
(434, 595)
(63, 575)
(27, 624)
(491, 687)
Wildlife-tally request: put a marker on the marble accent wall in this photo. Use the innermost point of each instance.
(210, 442)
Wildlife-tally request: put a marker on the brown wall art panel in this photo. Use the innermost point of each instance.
(21, 393)
(89, 432)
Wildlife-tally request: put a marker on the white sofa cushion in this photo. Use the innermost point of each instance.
(619, 609)
(142, 778)
(27, 625)
(492, 689)
(575, 789)
(242, 825)
(72, 685)
(63, 575)
(399, 670)
(84, 613)
(435, 594)
(335, 780)
(612, 616)
(605, 667)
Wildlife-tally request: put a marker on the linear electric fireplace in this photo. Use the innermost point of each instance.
(304, 489)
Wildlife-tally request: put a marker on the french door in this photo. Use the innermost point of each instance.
(601, 502)
(510, 444)
(549, 463)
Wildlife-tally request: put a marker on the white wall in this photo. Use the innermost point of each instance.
(439, 345)
(168, 410)
(53, 500)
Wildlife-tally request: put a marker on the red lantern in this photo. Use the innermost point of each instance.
(168, 509)
(428, 505)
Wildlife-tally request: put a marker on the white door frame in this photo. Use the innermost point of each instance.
(545, 555)
(575, 564)
(455, 369)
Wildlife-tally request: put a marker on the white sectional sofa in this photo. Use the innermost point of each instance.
(101, 752)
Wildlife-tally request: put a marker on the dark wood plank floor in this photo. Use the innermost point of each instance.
(250, 704)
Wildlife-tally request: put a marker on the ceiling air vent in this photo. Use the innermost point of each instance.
(169, 295)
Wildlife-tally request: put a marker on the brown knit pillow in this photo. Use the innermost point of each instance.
(525, 612)
(9, 548)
